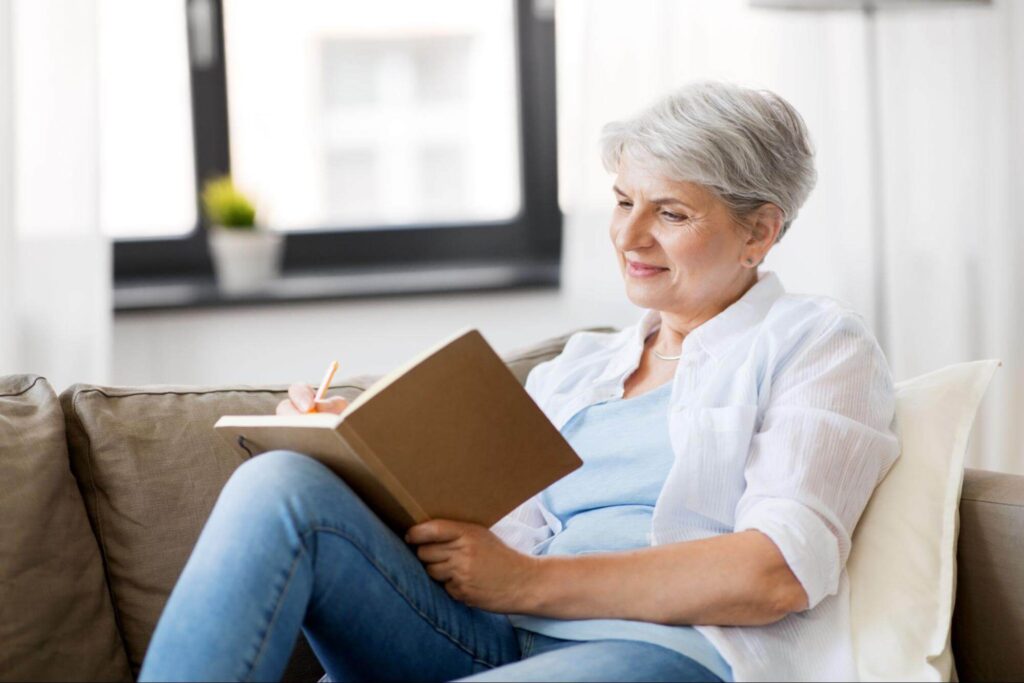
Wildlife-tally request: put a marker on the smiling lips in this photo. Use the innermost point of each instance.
(636, 269)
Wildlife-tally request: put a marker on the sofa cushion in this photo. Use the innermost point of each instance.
(56, 620)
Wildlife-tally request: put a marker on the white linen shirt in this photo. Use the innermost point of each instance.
(781, 419)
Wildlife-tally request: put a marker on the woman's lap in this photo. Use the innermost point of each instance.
(290, 546)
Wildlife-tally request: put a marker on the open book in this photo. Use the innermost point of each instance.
(451, 434)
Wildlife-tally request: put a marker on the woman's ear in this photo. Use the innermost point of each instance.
(765, 227)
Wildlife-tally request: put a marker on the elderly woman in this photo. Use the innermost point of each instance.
(730, 439)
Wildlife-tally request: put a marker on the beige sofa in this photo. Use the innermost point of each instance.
(104, 490)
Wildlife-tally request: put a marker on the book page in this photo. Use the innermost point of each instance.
(314, 420)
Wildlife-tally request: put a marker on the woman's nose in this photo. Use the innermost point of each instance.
(634, 232)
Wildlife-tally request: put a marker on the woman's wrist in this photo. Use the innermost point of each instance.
(534, 584)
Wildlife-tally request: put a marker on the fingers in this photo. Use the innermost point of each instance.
(286, 407)
(440, 571)
(435, 531)
(301, 396)
(289, 406)
(434, 552)
(334, 404)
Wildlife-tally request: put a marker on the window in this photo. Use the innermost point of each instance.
(394, 135)
(145, 144)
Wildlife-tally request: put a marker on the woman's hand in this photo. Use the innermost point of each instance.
(300, 400)
(474, 565)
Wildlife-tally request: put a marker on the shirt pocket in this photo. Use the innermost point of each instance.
(712, 446)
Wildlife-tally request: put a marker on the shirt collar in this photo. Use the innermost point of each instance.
(716, 335)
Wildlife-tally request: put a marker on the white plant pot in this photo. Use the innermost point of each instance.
(245, 261)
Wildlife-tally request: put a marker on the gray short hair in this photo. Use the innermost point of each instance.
(747, 146)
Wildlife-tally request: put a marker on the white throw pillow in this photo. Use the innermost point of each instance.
(902, 566)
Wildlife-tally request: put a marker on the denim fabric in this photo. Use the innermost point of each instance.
(554, 659)
(289, 546)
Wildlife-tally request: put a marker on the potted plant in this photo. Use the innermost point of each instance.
(246, 257)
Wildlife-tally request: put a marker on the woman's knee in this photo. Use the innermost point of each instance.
(277, 467)
(274, 478)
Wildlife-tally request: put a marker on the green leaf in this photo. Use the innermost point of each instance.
(225, 205)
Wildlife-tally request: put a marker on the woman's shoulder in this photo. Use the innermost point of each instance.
(825, 353)
(814, 326)
(584, 355)
(803, 316)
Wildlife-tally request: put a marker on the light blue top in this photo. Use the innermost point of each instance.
(607, 504)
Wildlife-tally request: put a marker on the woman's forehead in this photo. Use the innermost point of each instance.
(649, 182)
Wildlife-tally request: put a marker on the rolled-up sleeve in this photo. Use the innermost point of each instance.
(524, 527)
(824, 444)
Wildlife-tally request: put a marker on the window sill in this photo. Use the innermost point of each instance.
(186, 293)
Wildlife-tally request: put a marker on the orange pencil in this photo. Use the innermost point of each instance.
(324, 385)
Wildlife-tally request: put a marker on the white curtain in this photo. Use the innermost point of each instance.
(56, 278)
(951, 87)
(7, 263)
(952, 104)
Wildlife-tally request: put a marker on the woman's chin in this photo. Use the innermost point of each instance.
(645, 297)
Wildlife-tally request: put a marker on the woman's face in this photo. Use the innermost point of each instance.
(679, 248)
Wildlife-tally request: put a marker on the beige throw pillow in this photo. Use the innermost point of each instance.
(56, 620)
(903, 564)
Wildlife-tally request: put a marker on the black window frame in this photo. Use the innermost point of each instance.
(531, 239)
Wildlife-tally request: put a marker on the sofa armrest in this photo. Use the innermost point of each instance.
(988, 620)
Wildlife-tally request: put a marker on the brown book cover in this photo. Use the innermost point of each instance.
(451, 435)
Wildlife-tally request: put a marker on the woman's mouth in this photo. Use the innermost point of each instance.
(635, 269)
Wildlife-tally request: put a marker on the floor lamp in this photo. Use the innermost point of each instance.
(870, 8)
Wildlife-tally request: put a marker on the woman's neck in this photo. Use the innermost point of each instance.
(676, 326)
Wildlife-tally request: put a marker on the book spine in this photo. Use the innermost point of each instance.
(383, 474)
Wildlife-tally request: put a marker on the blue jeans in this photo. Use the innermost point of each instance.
(289, 546)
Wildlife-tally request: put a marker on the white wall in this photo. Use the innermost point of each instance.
(295, 343)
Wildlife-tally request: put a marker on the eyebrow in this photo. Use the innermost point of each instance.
(660, 201)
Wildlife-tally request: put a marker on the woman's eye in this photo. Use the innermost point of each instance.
(625, 205)
(673, 217)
